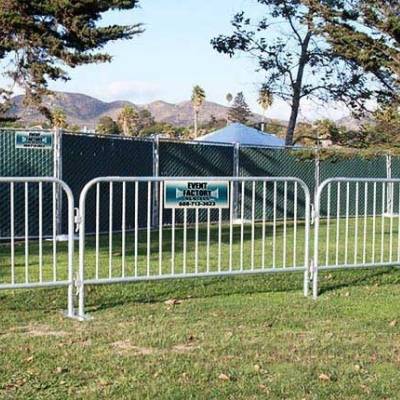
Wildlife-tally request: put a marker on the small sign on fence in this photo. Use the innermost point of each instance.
(196, 194)
(34, 140)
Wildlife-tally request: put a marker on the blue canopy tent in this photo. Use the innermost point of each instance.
(242, 134)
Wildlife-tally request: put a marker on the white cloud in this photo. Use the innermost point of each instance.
(135, 91)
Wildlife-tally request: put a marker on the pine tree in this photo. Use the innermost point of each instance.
(239, 111)
(38, 38)
(366, 33)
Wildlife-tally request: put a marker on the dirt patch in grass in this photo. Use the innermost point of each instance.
(37, 331)
(125, 347)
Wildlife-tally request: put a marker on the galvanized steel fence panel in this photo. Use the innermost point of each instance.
(27, 259)
(357, 224)
(274, 239)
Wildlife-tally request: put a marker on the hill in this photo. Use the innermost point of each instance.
(85, 110)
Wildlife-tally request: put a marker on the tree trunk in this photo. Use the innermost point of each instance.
(196, 115)
(297, 86)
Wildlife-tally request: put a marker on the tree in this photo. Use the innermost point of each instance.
(229, 99)
(297, 63)
(366, 32)
(107, 126)
(128, 119)
(145, 120)
(198, 97)
(39, 38)
(265, 100)
(239, 111)
(58, 119)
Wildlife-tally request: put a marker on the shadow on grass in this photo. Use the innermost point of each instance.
(330, 281)
(105, 297)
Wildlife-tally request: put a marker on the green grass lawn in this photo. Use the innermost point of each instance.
(223, 338)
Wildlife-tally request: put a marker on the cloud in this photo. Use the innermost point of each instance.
(136, 91)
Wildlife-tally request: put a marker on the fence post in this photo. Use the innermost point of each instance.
(155, 190)
(57, 172)
(236, 169)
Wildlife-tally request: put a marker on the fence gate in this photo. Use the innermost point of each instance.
(135, 229)
(357, 225)
(30, 254)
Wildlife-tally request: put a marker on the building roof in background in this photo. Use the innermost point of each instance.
(242, 134)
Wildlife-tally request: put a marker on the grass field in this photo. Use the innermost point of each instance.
(221, 338)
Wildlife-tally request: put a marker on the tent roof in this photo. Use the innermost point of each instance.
(242, 134)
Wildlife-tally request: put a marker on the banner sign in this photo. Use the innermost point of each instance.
(34, 140)
(196, 194)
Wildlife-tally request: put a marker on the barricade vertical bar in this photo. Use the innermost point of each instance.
(364, 257)
(54, 233)
(274, 229)
(391, 226)
(284, 224)
(231, 227)
(160, 228)
(338, 205)
(40, 232)
(253, 209)
(173, 242)
(110, 229)
(208, 242)
(123, 227)
(383, 220)
(346, 237)
(295, 226)
(219, 238)
(26, 234)
(149, 186)
(356, 224)
(12, 231)
(97, 229)
(196, 241)
(328, 220)
(136, 226)
(242, 225)
(184, 239)
(398, 227)
(373, 222)
(263, 225)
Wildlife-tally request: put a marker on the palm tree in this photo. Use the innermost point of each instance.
(58, 118)
(198, 97)
(229, 99)
(128, 119)
(265, 100)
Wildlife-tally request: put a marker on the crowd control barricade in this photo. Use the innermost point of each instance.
(152, 228)
(357, 225)
(31, 255)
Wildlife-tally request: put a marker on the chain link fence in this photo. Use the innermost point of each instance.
(82, 157)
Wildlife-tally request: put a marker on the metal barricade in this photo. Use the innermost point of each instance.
(31, 254)
(264, 230)
(357, 225)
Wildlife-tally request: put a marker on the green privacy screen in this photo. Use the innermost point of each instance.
(261, 161)
(23, 162)
(85, 157)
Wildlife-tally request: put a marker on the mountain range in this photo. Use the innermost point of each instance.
(85, 110)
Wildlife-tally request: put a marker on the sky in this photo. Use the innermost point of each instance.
(173, 54)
